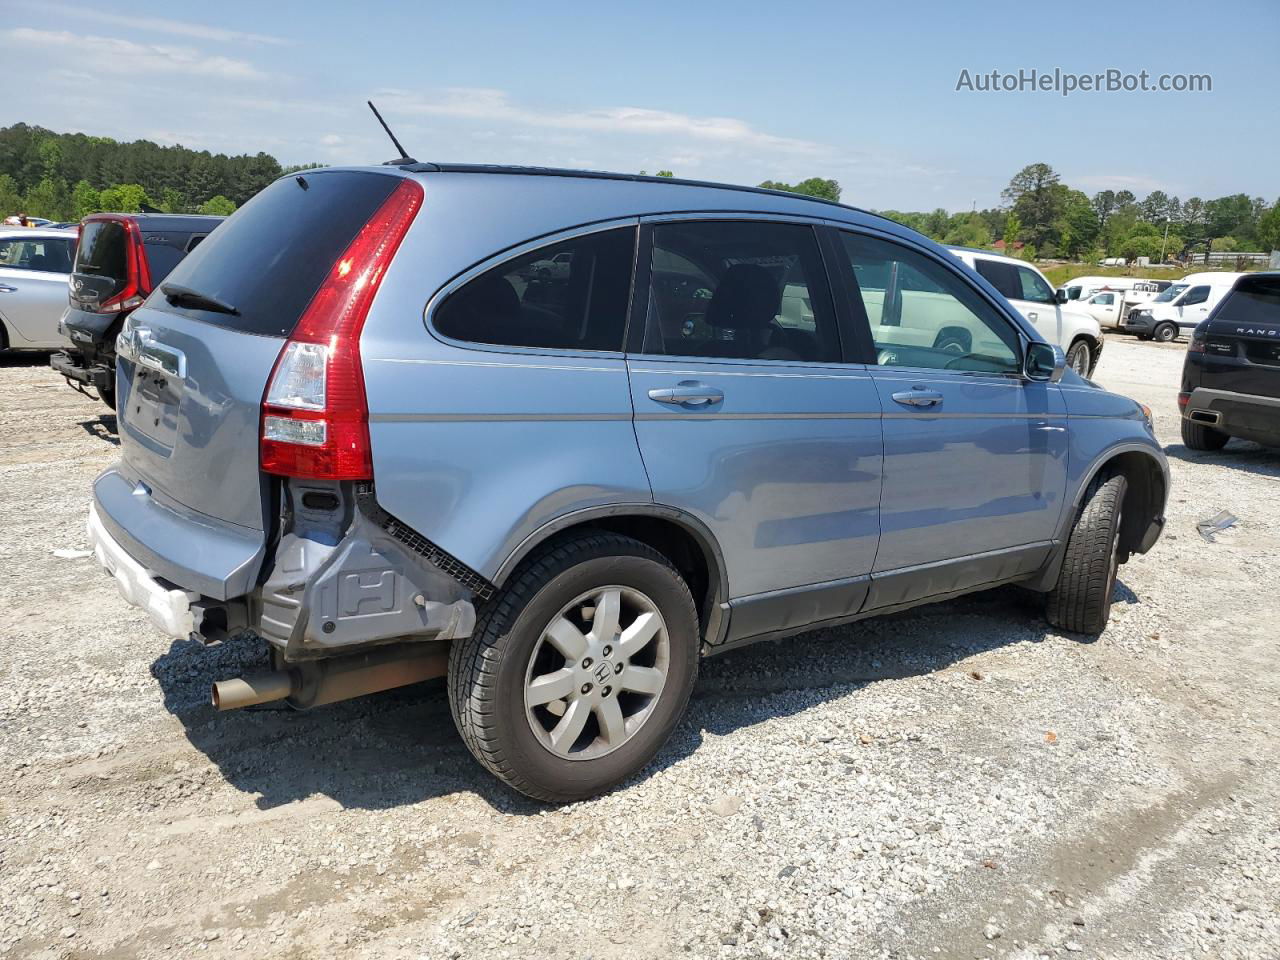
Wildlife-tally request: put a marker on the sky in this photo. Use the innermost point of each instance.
(865, 93)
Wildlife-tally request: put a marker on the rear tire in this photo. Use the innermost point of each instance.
(565, 614)
(1199, 436)
(1081, 600)
(1164, 333)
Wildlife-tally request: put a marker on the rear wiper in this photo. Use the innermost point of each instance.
(180, 296)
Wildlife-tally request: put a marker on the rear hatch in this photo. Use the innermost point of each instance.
(106, 271)
(193, 368)
(1242, 339)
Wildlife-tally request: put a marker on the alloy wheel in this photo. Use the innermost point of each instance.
(596, 672)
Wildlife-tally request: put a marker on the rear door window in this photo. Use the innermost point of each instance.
(163, 254)
(1195, 295)
(739, 290)
(1003, 276)
(572, 295)
(270, 257)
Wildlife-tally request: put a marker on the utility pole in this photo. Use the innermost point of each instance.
(1166, 239)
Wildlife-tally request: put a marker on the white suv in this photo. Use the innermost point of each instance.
(1031, 294)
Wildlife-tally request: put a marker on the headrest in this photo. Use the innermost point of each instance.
(747, 298)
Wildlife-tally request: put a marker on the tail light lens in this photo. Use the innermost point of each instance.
(315, 418)
(137, 273)
(1183, 399)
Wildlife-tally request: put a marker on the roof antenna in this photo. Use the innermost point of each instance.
(404, 157)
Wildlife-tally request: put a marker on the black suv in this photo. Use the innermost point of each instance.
(1231, 377)
(121, 258)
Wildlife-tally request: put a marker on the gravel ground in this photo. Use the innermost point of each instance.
(958, 781)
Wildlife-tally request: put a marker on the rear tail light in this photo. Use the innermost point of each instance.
(1184, 399)
(1196, 345)
(137, 274)
(315, 418)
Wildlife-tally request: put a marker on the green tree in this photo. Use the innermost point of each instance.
(1031, 195)
(813, 187)
(124, 198)
(218, 206)
(49, 199)
(171, 201)
(1012, 227)
(1269, 228)
(665, 173)
(84, 200)
(10, 198)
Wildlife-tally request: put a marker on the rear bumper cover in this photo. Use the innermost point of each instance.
(168, 608)
(195, 552)
(1244, 415)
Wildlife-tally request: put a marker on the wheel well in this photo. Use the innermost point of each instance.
(1143, 499)
(689, 554)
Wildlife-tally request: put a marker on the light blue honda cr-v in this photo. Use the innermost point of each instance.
(560, 434)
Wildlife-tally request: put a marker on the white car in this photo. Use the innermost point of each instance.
(35, 265)
(1078, 333)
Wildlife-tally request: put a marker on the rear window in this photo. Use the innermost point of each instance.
(1253, 301)
(1003, 276)
(269, 258)
(103, 250)
(162, 257)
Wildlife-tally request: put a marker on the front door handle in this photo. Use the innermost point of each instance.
(5, 288)
(918, 398)
(688, 393)
(1032, 315)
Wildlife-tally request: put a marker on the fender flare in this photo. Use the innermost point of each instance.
(696, 528)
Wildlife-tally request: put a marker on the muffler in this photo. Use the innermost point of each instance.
(1212, 417)
(315, 683)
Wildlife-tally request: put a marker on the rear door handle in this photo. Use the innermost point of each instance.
(1032, 315)
(5, 288)
(688, 393)
(918, 398)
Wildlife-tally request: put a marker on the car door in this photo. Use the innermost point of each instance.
(748, 419)
(1105, 308)
(1194, 306)
(974, 453)
(33, 287)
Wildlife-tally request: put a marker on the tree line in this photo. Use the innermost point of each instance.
(1040, 216)
(64, 176)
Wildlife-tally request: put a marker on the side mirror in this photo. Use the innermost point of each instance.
(1060, 296)
(1045, 362)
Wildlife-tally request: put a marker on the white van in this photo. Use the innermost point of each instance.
(1181, 307)
(1033, 296)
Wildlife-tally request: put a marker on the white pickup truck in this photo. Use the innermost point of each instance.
(1077, 332)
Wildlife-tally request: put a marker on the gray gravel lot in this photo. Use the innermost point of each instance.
(958, 781)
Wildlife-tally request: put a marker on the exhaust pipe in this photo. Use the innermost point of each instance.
(315, 683)
(1211, 417)
(261, 686)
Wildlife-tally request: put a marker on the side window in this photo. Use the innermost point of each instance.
(1002, 276)
(1105, 299)
(739, 289)
(572, 295)
(922, 315)
(44, 254)
(1034, 287)
(1195, 295)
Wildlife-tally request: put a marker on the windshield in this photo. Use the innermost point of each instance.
(1170, 293)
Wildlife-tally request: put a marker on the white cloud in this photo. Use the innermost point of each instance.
(331, 140)
(125, 56)
(477, 103)
(177, 28)
(1118, 181)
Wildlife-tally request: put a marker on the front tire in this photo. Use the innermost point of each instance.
(578, 671)
(1164, 333)
(1198, 436)
(1080, 358)
(1081, 599)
